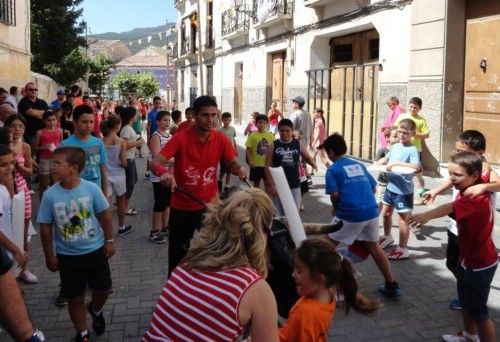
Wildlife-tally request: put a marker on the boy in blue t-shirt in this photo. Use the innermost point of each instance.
(96, 157)
(83, 237)
(399, 192)
(352, 192)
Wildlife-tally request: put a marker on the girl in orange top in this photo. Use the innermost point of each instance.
(319, 269)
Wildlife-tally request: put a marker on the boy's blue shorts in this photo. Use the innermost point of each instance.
(401, 203)
(473, 288)
(78, 271)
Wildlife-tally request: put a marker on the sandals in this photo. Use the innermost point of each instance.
(131, 212)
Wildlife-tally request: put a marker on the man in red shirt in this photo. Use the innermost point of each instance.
(197, 151)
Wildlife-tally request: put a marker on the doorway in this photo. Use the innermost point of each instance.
(279, 81)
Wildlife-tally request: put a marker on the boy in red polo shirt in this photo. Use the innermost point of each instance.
(478, 258)
(197, 152)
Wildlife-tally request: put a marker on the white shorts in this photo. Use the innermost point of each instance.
(44, 167)
(350, 231)
(116, 185)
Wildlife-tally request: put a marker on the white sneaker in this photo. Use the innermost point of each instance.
(28, 277)
(385, 241)
(398, 253)
(461, 336)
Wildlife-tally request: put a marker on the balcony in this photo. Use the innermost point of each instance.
(273, 13)
(179, 5)
(234, 24)
(317, 3)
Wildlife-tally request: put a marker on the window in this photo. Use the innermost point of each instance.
(373, 48)
(8, 12)
(343, 52)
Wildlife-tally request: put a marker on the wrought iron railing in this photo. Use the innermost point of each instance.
(234, 21)
(272, 8)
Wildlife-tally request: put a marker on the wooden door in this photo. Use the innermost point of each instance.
(482, 82)
(278, 75)
(238, 92)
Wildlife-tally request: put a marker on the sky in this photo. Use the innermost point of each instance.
(125, 15)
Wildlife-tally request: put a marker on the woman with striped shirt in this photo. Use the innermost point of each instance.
(219, 290)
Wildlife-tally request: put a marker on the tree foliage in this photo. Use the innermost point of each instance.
(56, 39)
(141, 84)
(99, 68)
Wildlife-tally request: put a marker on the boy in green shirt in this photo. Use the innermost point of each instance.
(256, 147)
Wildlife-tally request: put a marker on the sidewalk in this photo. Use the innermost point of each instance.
(139, 271)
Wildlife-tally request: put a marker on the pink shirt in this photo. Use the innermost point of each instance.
(319, 131)
(389, 121)
(49, 137)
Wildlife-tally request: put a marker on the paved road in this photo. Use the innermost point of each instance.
(139, 268)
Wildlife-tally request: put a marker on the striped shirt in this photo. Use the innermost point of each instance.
(200, 306)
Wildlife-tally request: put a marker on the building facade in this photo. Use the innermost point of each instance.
(15, 55)
(116, 50)
(349, 57)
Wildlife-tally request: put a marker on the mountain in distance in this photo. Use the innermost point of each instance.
(140, 33)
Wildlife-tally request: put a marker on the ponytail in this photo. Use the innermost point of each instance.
(322, 258)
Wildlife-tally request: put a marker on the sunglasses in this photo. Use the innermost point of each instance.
(32, 89)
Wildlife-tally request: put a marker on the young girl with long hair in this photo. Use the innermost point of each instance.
(23, 168)
(319, 271)
(116, 149)
(319, 136)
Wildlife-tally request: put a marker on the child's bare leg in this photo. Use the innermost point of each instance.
(387, 212)
(156, 224)
(380, 259)
(44, 182)
(99, 298)
(404, 230)
(76, 308)
(256, 183)
(165, 217)
(387, 222)
(486, 330)
(120, 209)
(323, 158)
(420, 179)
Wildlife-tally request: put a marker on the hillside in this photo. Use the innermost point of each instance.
(140, 33)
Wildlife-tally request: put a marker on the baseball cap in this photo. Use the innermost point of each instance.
(61, 92)
(299, 99)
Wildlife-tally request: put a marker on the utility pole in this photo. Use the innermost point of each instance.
(200, 61)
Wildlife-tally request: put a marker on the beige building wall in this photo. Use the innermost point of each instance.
(15, 53)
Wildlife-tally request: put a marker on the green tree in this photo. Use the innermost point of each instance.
(148, 84)
(141, 84)
(125, 82)
(99, 68)
(56, 37)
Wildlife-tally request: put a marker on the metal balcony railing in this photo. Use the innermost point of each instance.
(234, 21)
(284, 7)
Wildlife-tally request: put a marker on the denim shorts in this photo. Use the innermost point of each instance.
(401, 203)
(473, 288)
(78, 271)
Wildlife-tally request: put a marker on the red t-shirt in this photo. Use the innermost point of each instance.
(474, 218)
(184, 125)
(195, 168)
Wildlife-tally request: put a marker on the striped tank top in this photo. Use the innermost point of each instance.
(200, 306)
(163, 141)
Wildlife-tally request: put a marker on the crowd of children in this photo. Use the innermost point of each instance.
(83, 169)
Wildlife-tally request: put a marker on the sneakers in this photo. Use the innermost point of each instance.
(455, 304)
(461, 336)
(164, 232)
(156, 237)
(98, 322)
(385, 241)
(125, 230)
(84, 338)
(61, 301)
(28, 277)
(390, 289)
(398, 253)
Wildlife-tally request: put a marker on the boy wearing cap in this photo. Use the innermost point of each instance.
(302, 120)
(56, 104)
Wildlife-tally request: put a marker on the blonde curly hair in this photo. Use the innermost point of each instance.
(233, 234)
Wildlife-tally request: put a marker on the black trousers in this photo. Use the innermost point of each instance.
(182, 224)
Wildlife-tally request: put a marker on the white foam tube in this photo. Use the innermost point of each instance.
(295, 226)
